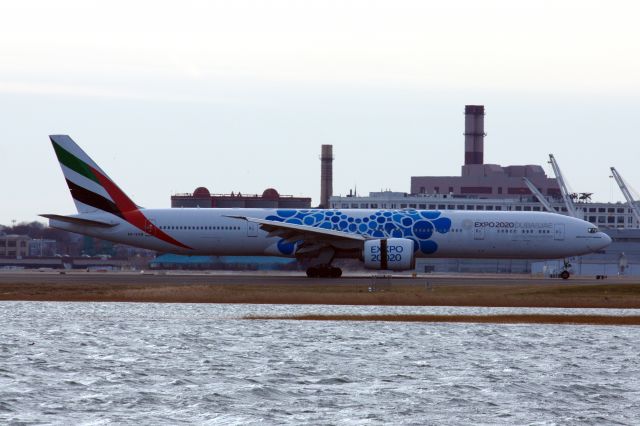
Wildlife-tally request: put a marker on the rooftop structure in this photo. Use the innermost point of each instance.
(270, 198)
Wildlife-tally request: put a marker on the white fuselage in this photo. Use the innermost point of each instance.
(453, 234)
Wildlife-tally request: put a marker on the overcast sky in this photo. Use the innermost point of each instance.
(239, 95)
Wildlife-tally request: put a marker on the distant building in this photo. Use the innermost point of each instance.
(14, 245)
(43, 248)
(270, 198)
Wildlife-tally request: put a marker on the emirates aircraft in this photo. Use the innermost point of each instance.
(381, 239)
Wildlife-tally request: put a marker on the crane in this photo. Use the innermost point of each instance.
(564, 190)
(627, 194)
(539, 195)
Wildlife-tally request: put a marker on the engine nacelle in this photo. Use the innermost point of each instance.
(396, 254)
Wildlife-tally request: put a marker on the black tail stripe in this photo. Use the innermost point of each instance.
(92, 199)
(384, 256)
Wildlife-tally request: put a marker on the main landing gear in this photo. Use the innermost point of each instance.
(324, 271)
(322, 265)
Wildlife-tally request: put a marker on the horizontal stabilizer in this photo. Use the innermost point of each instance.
(79, 221)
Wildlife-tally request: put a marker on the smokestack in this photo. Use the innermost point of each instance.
(474, 134)
(326, 175)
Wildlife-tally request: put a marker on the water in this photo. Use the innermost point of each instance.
(101, 363)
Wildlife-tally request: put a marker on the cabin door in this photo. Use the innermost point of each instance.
(558, 232)
(252, 229)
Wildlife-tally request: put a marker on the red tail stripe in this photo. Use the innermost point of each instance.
(131, 213)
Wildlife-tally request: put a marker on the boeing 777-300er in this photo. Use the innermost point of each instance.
(382, 239)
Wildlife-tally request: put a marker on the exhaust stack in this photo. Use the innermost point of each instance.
(474, 134)
(326, 175)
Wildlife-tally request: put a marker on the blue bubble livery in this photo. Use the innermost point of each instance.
(417, 225)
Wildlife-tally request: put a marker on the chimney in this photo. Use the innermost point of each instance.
(326, 175)
(474, 134)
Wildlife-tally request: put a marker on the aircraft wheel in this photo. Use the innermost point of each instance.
(335, 272)
(326, 272)
(313, 272)
(565, 275)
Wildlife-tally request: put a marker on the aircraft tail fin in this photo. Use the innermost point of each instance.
(92, 190)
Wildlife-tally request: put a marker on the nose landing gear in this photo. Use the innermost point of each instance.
(565, 274)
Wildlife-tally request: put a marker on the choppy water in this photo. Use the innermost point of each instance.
(97, 363)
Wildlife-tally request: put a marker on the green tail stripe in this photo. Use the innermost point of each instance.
(74, 163)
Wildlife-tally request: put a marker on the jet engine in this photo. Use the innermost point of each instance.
(396, 254)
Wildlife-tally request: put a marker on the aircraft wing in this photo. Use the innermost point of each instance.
(310, 238)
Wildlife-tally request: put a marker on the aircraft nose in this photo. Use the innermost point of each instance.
(602, 242)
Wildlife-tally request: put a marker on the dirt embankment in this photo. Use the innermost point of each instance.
(273, 290)
(449, 291)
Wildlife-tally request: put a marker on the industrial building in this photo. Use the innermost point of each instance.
(480, 179)
(270, 198)
(490, 187)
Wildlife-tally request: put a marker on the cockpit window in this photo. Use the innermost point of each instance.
(593, 230)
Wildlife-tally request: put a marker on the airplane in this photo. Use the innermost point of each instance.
(381, 239)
